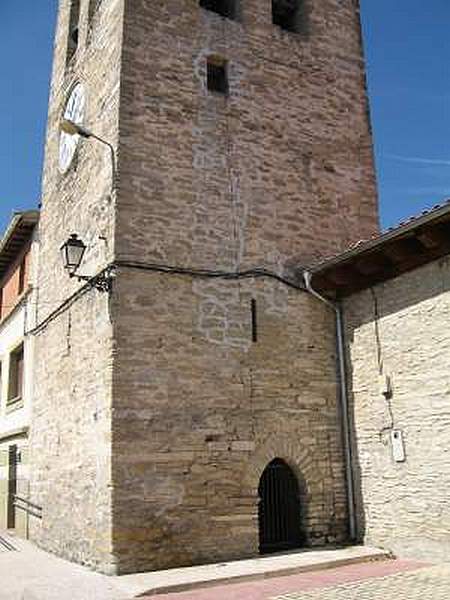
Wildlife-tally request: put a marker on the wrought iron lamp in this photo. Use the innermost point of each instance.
(72, 252)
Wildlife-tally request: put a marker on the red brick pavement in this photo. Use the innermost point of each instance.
(269, 588)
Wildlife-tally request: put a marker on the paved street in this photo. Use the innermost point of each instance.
(426, 584)
(28, 573)
(387, 580)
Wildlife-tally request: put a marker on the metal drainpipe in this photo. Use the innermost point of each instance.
(344, 403)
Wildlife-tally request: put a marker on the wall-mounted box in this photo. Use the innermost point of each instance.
(398, 446)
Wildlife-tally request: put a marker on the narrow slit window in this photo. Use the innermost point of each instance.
(74, 25)
(217, 74)
(254, 321)
(286, 14)
(224, 8)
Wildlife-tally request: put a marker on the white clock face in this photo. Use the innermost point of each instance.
(74, 112)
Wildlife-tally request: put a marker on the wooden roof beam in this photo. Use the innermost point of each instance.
(433, 238)
(374, 264)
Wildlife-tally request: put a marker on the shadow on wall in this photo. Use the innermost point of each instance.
(360, 515)
(398, 294)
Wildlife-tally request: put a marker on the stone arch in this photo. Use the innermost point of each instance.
(309, 475)
(297, 456)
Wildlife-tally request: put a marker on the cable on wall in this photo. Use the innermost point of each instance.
(210, 274)
(67, 303)
(388, 397)
(253, 273)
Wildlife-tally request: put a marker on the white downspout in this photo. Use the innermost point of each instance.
(344, 403)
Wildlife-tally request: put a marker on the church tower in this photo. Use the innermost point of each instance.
(167, 406)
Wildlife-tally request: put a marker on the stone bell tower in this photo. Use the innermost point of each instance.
(243, 152)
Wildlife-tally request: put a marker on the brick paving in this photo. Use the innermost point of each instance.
(384, 580)
(425, 584)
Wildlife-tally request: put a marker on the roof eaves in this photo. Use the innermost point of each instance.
(389, 235)
(28, 217)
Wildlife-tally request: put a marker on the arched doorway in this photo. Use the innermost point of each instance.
(279, 509)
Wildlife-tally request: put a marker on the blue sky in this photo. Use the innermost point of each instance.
(408, 56)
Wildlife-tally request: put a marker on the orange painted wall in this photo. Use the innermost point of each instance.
(9, 284)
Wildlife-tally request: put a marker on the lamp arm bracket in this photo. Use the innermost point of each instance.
(101, 282)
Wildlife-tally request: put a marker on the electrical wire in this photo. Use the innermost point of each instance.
(65, 305)
(161, 268)
(210, 274)
(376, 314)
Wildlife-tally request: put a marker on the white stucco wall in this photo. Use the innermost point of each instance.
(11, 336)
(401, 329)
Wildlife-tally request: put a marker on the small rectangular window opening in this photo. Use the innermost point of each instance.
(16, 371)
(254, 321)
(217, 74)
(286, 14)
(224, 8)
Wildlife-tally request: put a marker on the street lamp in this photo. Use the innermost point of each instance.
(72, 128)
(72, 252)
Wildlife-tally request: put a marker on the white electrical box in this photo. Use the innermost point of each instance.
(398, 446)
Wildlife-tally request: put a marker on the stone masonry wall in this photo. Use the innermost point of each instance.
(200, 410)
(279, 172)
(70, 447)
(71, 435)
(404, 506)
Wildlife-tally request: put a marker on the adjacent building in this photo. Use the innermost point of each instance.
(395, 296)
(18, 252)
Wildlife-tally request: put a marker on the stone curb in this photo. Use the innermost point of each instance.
(270, 573)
